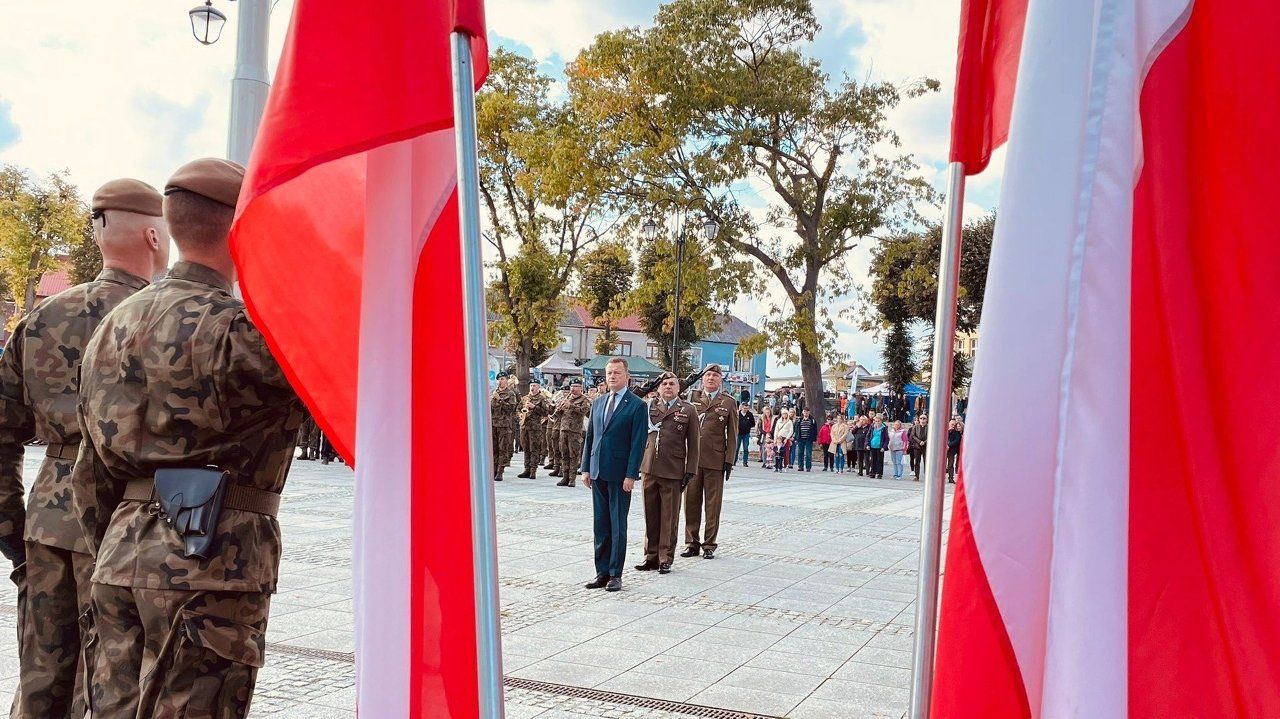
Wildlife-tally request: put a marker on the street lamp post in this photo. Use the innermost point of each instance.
(250, 83)
(710, 228)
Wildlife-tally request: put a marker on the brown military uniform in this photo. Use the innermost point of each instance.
(553, 432)
(670, 453)
(533, 415)
(502, 411)
(178, 376)
(572, 413)
(717, 443)
(39, 390)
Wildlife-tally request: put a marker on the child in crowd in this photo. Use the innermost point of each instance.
(771, 455)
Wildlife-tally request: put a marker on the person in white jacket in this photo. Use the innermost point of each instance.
(784, 431)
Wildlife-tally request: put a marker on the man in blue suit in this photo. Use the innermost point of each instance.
(611, 455)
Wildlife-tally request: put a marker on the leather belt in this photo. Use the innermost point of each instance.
(239, 496)
(59, 450)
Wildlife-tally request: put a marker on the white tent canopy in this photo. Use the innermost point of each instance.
(557, 364)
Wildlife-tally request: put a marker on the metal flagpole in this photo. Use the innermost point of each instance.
(483, 523)
(936, 447)
(250, 84)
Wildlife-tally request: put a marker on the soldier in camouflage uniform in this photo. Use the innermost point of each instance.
(572, 412)
(503, 405)
(532, 416)
(553, 431)
(39, 389)
(306, 433)
(178, 377)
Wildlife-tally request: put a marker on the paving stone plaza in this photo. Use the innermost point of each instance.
(806, 611)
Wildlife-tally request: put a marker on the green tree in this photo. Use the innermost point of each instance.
(86, 258)
(719, 96)
(898, 356)
(543, 192)
(43, 218)
(904, 284)
(604, 279)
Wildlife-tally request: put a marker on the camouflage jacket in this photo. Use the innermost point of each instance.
(537, 407)
(572, 413)
(178, 376)
(503, 405)
(39, 390)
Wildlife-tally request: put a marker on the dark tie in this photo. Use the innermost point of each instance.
(608, 410)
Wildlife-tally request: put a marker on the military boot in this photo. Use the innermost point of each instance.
(555, 473)
(525, 474)
(563, 482)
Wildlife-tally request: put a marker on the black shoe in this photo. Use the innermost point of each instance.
(562, 483)
(555, 473)
(497, 477)
(614, 585)
(690, 552)
(324, 461)
(598, 582)
(524, 474)
(664, 568)
(548, 465)
(708, 554)
(646, 567)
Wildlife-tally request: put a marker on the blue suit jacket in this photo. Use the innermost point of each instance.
(612, 453)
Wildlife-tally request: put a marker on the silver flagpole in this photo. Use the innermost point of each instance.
(936, 447)
(480, 458)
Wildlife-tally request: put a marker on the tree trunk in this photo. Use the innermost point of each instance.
(33, 281)
(523, 364)
(811, 371)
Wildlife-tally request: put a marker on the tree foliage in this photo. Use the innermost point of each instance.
(86, 258)
(719, 96)
(604, 279)
(904, 284)
(40, 218)
(543, 190)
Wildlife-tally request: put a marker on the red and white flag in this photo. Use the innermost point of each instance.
(1114, 547)
(346, 240)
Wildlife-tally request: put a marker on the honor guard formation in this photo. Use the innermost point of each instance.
(147, 550)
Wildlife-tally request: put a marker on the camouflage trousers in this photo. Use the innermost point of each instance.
(503, 445)
(531, 439)
(553, 448)
(51, 598)
(172, 653)
(570, 454)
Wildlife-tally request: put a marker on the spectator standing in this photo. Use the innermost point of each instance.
(918, 438)
(877, 442)
(824, 441)
(955, 433)
(844, 403)
(859, 434)
(746, 422)
(766, 432)
(806, 434)
(897, 447)
(785, 432)
(839, 435)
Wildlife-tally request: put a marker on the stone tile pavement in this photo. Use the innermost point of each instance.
(806, 612)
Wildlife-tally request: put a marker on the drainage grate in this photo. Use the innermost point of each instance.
(691, 710)
(333, 656)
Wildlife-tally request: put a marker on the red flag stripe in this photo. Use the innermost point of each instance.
(986, 74)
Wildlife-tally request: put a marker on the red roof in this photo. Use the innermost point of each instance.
(51, 283)
(630, 323)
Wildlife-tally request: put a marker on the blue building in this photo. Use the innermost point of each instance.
(721, 347)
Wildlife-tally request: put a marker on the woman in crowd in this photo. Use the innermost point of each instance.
(824, 441)
(784, 430)
(765, 428)
(897, 446)
(877, 443)
(859, 433)
(839, 435)
(955, 433)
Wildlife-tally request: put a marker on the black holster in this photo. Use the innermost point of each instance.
(191, 502)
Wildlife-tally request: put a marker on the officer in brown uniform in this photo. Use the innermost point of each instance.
(717, 442)
(669, 464)
(572, 412)
(39, 389)
(503, 405)
(189, 427)
(537, 406)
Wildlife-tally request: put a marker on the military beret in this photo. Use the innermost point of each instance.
(219, 180)
(666, 376)
(713, 367)
(575, 380)
(128, 195)
(502, 375)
